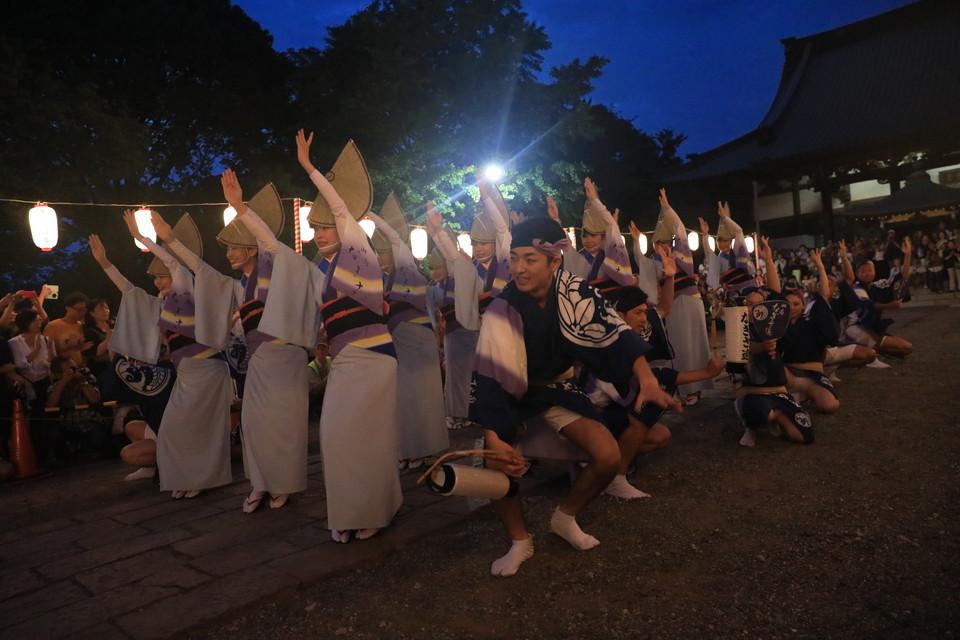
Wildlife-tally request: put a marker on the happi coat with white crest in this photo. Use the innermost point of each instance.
(421, 424)
(526, 353)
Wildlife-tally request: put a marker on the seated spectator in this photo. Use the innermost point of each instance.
(32, 353)
(74, 392)
(142, 450)
(98, 327)
(67, 332)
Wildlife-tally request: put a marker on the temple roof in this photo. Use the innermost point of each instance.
(918, 194)
(873, 89)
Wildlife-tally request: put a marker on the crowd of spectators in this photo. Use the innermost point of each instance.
(51, 366)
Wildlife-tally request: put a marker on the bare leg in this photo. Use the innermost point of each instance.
(596, 440)
(521, 548)
(823, 400)
(894, 346)
(790, 431)
(862, 356)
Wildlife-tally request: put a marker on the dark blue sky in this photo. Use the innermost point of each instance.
(706, 68)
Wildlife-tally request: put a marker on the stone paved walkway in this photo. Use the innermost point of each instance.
(85, 555)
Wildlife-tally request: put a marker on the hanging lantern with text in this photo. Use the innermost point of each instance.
(418, 243)
(43, 226)
(693, 240)
(145, 227)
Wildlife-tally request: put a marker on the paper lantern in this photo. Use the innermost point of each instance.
(644, 244)
(144, 226)
(43, 226)
(712, 243)
(418, 243)
(572, 235)
(368, 227)
(693, 240)
(306, 231)
(228, 215)
(463, 241)
(750, 244)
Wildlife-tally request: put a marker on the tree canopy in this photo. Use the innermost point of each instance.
(110, 101)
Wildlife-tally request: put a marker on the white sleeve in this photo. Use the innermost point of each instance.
(188, 257)
(118, 279)
(337, 206)
(260, 229)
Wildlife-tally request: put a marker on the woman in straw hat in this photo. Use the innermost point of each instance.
(193, 445)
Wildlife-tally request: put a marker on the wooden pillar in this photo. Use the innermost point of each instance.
(826, 207)
(795, 192)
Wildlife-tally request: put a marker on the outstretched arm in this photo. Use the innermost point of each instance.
(907, 257)
(824, 280)
(773, 278)
(337, 206)
(665, 288)
(440, 238)
(233, 192)
(848, 273)
(712, 370)
(169, 261)
(165, 234)
(100, 255)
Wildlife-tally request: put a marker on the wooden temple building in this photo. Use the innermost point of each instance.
(859, 109)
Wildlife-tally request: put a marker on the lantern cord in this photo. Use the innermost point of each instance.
(123, 204)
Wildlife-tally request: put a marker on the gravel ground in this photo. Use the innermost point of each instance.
(856, 536)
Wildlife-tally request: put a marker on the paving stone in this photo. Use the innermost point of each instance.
(311, 565)
(88, 613)
(111, 535)
(421, 497)
(124, 505)
(220, 563)
(24, 532)
(232, 529)
(309, 535)
(314, 508)
(39, 545)
(18, 581)
(130, 570)
(171, 615)
(166, 507)
(187, 513)
(110, 553)
(33, 604)
(105, 631)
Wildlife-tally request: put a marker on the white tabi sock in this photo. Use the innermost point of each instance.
(878, 364)
(509, 564)
(620, 488)
(141, 474)
(749, 438)
(567, 528)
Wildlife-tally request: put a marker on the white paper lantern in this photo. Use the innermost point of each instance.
(750, 244)
(306, 231)
(572, 235)
(712, 242)
(144, 226)
(463, 241)
(368, 227)
(43, 226)
(418, 243)
(228, 215)
(644, 244)
(693, 240)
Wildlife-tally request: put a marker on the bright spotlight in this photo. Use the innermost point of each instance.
(465, 244)
(493, 172)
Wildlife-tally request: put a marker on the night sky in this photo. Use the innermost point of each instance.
(706, 68)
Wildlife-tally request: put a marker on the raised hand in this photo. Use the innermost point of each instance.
(616, 215)
(766, 253)
(516, 218)
(842, 248)
(434, 219)
(163, 229)
(634, 231)
(816, 258)
(907, 245)
(723, 209)
(662, 197)
(44, 293)
(704, 227)
(98, 251)
(590, 189)
(232, 190)
(303, 151)
(715, 366)
(552, 210)
(669, 264)
(483, 185)
(131, 221)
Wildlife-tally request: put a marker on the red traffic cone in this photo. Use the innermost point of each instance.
(21, 447)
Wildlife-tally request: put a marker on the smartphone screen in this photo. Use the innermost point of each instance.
(54, 291)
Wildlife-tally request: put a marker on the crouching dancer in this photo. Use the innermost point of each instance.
(532, 333)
